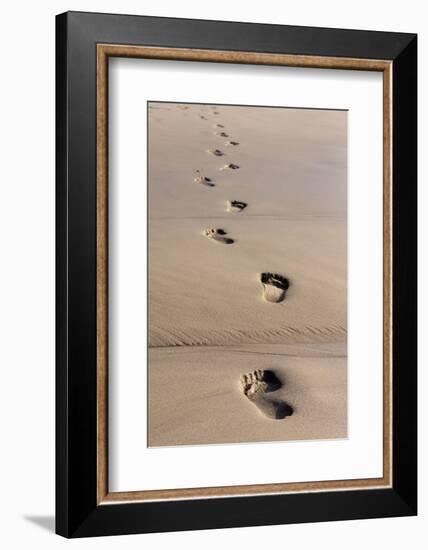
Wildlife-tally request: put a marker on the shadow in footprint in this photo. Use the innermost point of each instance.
(256, 385)
(216, 152)
(282, 409)
(273, 383)
(231, 166)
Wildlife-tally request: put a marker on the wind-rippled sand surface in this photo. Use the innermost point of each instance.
(206, 305)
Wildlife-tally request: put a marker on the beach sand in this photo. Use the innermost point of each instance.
(195, 397)
(209, 320)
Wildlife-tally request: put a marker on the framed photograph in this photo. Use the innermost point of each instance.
(236, 274)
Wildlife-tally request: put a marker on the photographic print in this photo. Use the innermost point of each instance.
(247, 274)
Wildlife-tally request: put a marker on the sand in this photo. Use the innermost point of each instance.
(195, 397)
(210, 317)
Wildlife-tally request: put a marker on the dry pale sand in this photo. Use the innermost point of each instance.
(208, 320)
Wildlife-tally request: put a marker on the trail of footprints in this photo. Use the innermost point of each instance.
(255, 385)
(274, 285)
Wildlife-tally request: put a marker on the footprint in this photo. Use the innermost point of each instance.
(222, 134)
(216, 152)
(218, 235)
(203, 117)
(256, 385)
(218, 126)
(236, 206)
(204, 181)
(230, 166)
(232, 143)
(274, 286)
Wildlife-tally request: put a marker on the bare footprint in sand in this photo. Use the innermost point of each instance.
(222, 134)
(230, 166)
(274, 286)
(216, 152)
(218, 125)
(236, 206)
(234, 143)
(218, 235)
(203, 180)
(256, 385)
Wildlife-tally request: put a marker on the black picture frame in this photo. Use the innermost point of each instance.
(78, 513)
